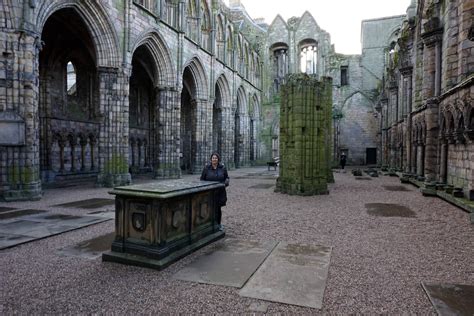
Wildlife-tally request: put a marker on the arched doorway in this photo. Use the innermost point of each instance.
(254, 116)
(141, 112)
(69, 98)
(188, 109)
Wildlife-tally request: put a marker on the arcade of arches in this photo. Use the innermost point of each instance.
(108, 90)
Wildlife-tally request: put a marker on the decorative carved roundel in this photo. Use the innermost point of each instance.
(138, 222)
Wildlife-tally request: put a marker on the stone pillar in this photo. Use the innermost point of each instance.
(227, 154)
(202, 134)
(19, 117)
(114, 130)
(443, 172)
(303, 133)
(431, 142)
(408, 135)
(431, 90)
(167, 131)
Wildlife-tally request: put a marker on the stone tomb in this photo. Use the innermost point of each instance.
(161, 222)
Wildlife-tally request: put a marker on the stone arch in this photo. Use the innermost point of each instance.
(205, 25)
(353, 94)
(223, 83)
(143, 108)
(220, 109)
(254, 126)
(241, 105)
(255, 113)
(69, 91)
(98, 23)
(357, 129)
(394, 34)
(163, 63)
(200, 78)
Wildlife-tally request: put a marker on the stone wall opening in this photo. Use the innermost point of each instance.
(188, 115)
(68, 104)
(141, 112)
(217, 141)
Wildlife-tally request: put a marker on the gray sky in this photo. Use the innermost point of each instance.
(341, 18)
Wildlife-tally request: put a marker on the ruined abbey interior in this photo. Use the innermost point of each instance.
(109, 90)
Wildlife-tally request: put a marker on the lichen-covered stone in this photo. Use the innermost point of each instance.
(305, 126)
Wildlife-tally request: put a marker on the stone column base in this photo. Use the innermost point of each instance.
(428, 189)
(28, 192)
(113, 180)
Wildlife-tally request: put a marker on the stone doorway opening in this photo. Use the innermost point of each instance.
(142, 109)
(371, 156)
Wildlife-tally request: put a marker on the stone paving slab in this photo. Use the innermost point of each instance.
(6, 209)
(104, 214)
(89, 203)
(9, 240)
(293, 274)
(451, 299)
(89, 249)
(231, 263)
(18, 213)
(28, 228)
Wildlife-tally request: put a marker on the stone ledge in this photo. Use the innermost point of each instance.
(462, 203)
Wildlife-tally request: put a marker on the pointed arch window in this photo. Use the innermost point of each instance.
(280, 61)
(309, 57)
(230, 46)
(192, 19)
(169, 12)
(220, 38)
(205, 26)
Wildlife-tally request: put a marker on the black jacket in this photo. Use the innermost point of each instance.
(219, 174)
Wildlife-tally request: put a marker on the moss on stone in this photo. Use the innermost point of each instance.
(117, 164)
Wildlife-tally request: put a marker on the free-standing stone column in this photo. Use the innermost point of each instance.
(303, 135)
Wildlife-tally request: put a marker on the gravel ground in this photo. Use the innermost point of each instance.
(377, 262)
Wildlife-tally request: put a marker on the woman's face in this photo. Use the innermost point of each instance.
(214, 159)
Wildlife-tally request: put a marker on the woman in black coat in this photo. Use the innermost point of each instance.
(216, 171)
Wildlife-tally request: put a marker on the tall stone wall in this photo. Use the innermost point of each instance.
(92, 131)
(427, 116)
(305, 127)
